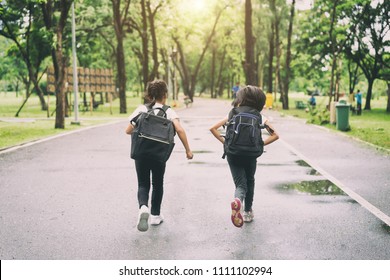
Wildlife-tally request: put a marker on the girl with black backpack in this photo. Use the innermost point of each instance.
(250, 100)
(156, 94)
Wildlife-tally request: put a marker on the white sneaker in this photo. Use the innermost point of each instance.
(143, 218)
(156, 220)
(248, 216)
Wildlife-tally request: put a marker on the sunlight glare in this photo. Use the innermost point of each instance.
(194, 5)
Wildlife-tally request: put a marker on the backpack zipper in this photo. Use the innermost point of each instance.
(154, 139)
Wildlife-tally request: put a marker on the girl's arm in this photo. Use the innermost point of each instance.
(273, 136)
(215, 132)
(183, 137)
(129, 129)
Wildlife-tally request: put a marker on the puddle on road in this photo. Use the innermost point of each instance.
(386, 228)
(322, 187)
(305, 164)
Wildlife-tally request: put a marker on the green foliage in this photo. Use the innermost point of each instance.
(318, 115)
(313, 45)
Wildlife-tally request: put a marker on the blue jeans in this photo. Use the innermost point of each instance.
(144, 168)
(243, 170)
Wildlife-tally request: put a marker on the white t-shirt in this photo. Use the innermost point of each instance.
(171, 114)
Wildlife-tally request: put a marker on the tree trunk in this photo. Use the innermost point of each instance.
(219, 78)
(59, 84)
(334, 56)
(59, 61)
(183, 70)
(288, 58)
(145, 45)
(212, 83)
(331, 86)
(249, 64)
(369, 94)
(271, 59)
(353, 76)
(278, 55)
(388, 98)
(38, 89)
(120, 53)
(151, 16)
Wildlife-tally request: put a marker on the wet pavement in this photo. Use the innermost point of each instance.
(74, 197)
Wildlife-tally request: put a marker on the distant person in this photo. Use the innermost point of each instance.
(250, 100)
(156, 94)
(312, 101)
(235, 89)
(358, 97)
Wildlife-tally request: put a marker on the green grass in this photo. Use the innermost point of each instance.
(33, 123)
(372, 126)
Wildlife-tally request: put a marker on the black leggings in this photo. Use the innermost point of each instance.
(144, 168)
(243, 171)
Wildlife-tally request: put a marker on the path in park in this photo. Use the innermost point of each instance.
(74, 197)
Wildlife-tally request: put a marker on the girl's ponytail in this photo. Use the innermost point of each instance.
(155, 91)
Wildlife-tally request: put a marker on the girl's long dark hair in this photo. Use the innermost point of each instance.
(250, 96)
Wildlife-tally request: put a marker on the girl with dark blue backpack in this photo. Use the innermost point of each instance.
(242, 145)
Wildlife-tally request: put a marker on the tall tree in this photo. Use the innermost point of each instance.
(144, 23)
(55, 14)
(371, 37)
(120, 18)
(21, 22)
(271, 54)
(328, 33)
(249, 63)
(288, 58)
(189, 78)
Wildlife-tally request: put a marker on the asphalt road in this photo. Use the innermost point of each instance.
(74, 197)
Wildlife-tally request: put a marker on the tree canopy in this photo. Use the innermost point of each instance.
(200, 46)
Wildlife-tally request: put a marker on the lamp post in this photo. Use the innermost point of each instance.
(75, 80)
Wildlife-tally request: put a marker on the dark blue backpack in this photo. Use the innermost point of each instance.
(243, 133)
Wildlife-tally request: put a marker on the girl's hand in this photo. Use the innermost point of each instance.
(189, 155)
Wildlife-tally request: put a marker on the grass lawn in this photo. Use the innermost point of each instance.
(372, 126)
(33, 123)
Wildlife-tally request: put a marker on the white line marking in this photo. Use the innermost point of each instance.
(371, 208)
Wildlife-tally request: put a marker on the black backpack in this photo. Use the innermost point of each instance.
(153, 135)
(243, 133)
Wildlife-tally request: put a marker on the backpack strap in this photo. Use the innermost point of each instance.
(162, 112)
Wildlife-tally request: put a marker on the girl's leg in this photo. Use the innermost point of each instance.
(250, 176)
(239, 176)
(143, 174)
(158, 171)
